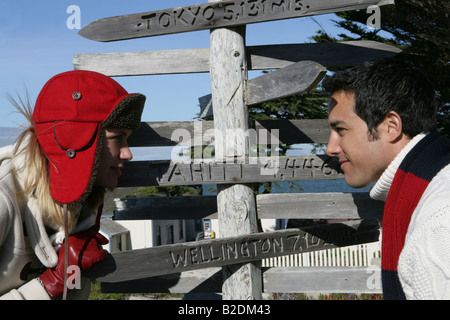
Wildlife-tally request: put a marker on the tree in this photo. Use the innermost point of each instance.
(307, 105)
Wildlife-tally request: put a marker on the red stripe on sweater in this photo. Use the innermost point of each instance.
(404, 194)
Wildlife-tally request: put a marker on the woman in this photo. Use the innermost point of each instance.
(52, 183)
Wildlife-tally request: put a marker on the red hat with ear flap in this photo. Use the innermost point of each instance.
(71, 112)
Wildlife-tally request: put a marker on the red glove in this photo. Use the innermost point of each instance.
(84, 251)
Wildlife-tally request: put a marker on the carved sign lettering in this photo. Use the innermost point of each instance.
(215, 14)
(257, 249)
(266, 245)
(163, 173)
(212, 15)
(180, 257)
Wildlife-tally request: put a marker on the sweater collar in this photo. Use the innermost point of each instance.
(381, 188)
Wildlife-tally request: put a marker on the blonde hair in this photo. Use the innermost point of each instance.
(36, 180)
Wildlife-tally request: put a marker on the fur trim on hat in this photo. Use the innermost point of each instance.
(127, 113)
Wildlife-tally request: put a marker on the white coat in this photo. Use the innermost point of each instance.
(25, 247)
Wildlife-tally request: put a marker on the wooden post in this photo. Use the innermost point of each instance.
(236, 203)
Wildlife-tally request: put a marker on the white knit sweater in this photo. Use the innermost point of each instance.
(424, 263)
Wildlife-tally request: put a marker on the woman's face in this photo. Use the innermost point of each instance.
(115, 152)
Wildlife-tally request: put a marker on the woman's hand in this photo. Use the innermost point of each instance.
(85, 249)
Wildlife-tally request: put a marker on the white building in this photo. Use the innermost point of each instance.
(137, 234)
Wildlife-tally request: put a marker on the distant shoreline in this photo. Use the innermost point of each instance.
(8, 135)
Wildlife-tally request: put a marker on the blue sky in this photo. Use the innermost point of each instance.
(36, 44)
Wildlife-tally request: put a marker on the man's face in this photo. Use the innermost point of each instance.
(361, 160)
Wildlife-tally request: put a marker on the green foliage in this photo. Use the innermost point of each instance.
(308, 105)
(167, 191)
(96, 293)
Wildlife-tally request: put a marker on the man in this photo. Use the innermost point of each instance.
(382, 116)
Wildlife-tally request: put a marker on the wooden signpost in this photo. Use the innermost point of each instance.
(236, 203)
(217, 14)
(233, 167)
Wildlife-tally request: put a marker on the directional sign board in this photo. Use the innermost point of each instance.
(296, 78)
(328, 54)
(143, 263)
(324, 205)
(293, 79)
(208, 171)
(213, 15)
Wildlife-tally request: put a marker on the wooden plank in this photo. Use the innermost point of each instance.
(293, 79)
(208, 280)
(290, 80)
(297, 131)
(172, 133)
(330, 54)
(166, 208)
(270, 206)
(280, 280)
(205, 104)
(324, 205)
(324, 280)
(207, 171)
(265, 57)
(145, 63)
(213, 15)
(168, 259)
(201, 133)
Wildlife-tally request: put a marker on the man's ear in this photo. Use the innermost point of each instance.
(393, 126)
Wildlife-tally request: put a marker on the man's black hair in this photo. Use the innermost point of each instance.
(384, 85)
